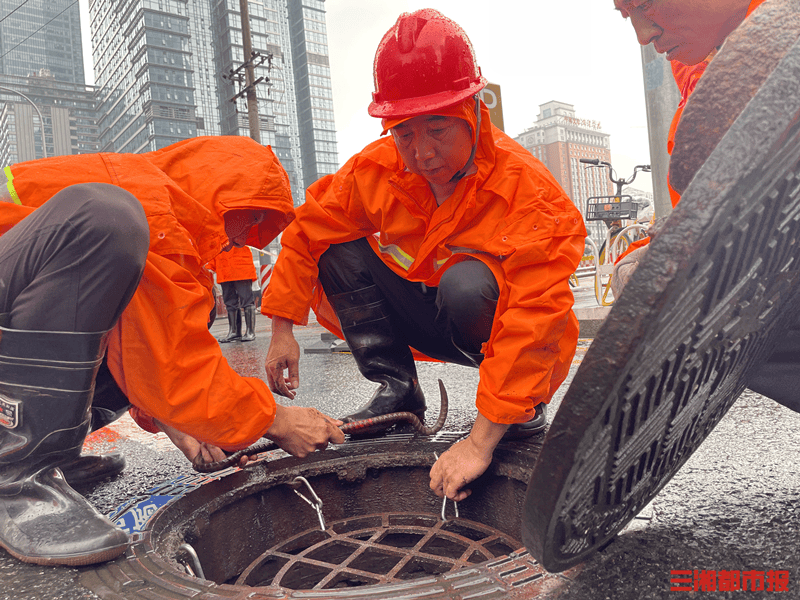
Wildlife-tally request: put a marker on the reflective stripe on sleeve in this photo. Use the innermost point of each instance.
(400, 257)
(12, 193)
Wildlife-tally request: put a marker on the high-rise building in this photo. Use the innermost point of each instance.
(67, 109)
(559, 139)
(42, 77)
(160, 65)
(41, 34)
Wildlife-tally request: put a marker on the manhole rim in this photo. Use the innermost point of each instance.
(144, 565)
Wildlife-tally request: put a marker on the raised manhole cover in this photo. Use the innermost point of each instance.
(715, 294)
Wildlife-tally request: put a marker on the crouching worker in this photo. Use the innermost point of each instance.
(101, 279)
(445, 237)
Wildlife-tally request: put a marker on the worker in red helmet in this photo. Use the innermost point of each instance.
(443, 240)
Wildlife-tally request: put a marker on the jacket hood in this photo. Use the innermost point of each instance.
(225, 173)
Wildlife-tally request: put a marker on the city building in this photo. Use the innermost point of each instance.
(68, 111)
(168, 70)
(41, 34)
(42, 73)
(560, 139)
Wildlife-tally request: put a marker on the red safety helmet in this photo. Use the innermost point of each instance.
(424, 62)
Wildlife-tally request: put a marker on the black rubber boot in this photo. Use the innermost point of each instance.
(381, 354)
(250, 324)
(234, 327)
(108, 405)
(46, 388)
(91, 468)
(536, 425)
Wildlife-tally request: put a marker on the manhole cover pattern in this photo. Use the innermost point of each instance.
(374, 550)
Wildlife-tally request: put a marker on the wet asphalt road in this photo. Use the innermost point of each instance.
(735, 506)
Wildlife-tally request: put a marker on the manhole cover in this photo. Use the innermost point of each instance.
(716, 292)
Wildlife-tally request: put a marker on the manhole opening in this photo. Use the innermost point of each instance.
(366, 520)
(334, 553)
(422, 567)
(400, 539)
(393, 547)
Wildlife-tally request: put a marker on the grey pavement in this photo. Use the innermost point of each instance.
(735, 505)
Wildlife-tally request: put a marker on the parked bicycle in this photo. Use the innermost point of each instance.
(612, 210)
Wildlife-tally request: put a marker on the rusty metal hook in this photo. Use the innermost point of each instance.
(314, 502)
(444, 504)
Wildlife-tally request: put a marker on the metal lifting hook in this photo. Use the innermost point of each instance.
(444, 504)
(314, 502)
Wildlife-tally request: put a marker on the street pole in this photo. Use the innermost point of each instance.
(41, 118)
(662, 97)
(252, 99)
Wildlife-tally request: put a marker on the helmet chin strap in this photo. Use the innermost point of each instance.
(463, 170)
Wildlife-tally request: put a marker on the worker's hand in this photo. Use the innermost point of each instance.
(466, 460)
(283, 356)
(301, 430)
(624, 269)
(196, 452)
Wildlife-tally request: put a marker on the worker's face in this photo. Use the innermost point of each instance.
(238, 224)
(434, 147)
(684, 30)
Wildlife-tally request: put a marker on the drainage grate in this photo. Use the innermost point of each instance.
(375, 549)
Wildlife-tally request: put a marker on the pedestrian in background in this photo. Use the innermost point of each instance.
(236, 273)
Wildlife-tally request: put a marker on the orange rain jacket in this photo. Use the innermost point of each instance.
(160, 352)
(234, 265)
(512, 215)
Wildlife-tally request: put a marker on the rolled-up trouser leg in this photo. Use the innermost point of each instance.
(74, 263)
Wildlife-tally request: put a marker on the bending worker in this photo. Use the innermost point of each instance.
(236, 273)
(691, 50)
(445, 236)
(106, 250)
(690, 34)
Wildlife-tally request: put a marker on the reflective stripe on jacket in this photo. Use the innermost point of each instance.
(512, 215)
(160, 352)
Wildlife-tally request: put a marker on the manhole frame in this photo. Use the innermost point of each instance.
(146, 569)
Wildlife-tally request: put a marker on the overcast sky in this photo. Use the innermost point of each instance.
(579, 51)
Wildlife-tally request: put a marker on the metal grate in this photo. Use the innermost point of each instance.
(376, 549)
